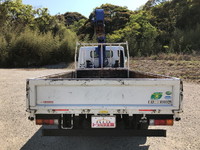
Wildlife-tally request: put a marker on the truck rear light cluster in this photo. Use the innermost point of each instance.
(46, 121)
(165, 122)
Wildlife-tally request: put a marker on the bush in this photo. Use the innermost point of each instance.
(32, 48)
(66, 50)
(186, 41)
(3, 51)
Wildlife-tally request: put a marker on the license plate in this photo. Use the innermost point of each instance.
(103, 122)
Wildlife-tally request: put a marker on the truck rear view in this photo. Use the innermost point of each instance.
(95, 101)
(102, 96)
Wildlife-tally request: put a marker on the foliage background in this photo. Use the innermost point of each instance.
(32, 37)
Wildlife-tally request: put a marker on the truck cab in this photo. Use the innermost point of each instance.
(88, 57)
(115, 56)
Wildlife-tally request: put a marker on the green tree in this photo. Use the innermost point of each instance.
(18, 14)
(72, 17)
(140, 34)
(116, 18)
(151, 3)
(32, 37)
(44, 20)
(189, 14)
(77, 25)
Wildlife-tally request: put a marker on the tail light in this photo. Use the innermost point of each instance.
(46, 121)
(165, 122)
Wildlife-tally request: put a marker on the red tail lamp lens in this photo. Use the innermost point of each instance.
(159, 122)
(164, 122)
(46, 121)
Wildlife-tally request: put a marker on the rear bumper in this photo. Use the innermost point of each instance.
(104, 132)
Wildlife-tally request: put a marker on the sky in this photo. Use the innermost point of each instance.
(85, 7)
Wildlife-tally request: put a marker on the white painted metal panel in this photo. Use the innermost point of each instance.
(102, 93)
(98, 94)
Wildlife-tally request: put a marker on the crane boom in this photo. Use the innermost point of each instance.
(99, 27)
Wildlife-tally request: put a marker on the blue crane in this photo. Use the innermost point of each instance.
(99, 28)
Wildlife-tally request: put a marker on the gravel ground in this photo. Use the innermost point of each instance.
(17, 132)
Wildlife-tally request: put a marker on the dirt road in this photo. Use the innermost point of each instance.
(16, 132)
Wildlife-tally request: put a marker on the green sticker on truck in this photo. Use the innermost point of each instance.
(168, 93)
(156, 98)
(156, 95)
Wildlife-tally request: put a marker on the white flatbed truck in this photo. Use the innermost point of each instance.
(106, 96)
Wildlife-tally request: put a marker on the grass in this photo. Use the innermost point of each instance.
(188, 69)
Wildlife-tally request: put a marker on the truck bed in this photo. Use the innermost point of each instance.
(105, 73)
(115, 91)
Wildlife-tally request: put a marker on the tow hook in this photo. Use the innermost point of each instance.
(31, 118)
(177, 119)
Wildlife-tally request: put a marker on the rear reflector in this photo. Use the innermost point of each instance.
(60, 109)
(46, 121)
(165, 122)
(147, 110)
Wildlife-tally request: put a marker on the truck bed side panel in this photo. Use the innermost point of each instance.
(101, 93)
